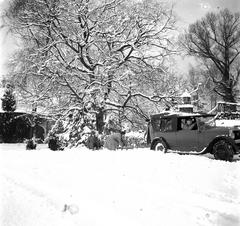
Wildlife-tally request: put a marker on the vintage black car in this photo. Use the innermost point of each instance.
(192, 133)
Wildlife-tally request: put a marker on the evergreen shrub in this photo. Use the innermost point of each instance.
(31, 145)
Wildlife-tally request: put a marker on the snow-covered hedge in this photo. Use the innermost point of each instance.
(78, 128)
(136, 139)
(74, 129)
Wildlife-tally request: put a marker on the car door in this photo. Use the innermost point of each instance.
(168, 131)
(187, 139)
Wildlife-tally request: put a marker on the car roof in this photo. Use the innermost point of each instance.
(171, 114)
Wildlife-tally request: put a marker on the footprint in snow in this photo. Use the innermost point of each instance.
(73, 209)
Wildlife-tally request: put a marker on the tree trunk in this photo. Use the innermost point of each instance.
(100, 120)
(228, 95)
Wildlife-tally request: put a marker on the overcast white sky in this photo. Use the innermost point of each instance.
(188, 12)
(191, 10)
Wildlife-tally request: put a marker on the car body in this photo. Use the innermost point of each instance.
(168, 131)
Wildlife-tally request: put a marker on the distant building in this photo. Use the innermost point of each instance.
(186, 103)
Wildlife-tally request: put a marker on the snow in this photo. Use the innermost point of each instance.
(186, 94)
(136, 134)
(135, 187)
(228, 122)
(185, 106)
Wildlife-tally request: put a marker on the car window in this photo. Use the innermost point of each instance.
(166, 125)
(187, 124)
(156, 124)
(163, 124)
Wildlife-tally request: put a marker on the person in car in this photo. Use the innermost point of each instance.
(189, 124)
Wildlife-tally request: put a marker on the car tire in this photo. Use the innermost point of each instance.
(160, 146)
(223, 150)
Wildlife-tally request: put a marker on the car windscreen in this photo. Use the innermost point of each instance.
(206, 121)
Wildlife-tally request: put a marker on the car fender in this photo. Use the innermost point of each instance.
(148, 136)
(218, 138)
(161, 139)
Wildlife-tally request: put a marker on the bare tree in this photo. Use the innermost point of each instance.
(215, 40)
(76, 52)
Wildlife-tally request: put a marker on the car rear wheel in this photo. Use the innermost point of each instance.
(223, 150)
(160, 146)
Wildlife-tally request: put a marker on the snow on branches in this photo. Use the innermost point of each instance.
(92, 51)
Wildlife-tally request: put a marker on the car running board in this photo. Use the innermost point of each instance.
(204, 151)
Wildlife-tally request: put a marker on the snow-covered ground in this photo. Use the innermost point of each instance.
(116, 188)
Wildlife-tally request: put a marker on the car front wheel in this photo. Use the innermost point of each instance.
(160, 146)
(223, 150)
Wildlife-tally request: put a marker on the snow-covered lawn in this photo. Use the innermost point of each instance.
(116, 188)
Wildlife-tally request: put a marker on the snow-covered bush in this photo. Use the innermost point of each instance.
(53, 138)
(94, 142)
(31, 145)
(79, 127)
(76, 128)
(136, 139)
(54, 143)
(58, 127)
(112, 124)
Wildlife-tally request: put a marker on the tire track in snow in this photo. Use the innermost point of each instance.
(22, 205)
(90, 211)
(36, 192)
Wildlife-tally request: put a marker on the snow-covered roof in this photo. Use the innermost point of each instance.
(185, 106)
(228, 103)
(176, 113)
(186, 94)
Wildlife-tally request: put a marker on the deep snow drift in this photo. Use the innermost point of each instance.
(116, 188)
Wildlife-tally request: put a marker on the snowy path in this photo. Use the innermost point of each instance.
(106, 188)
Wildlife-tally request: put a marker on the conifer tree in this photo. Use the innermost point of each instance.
(8, 101)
